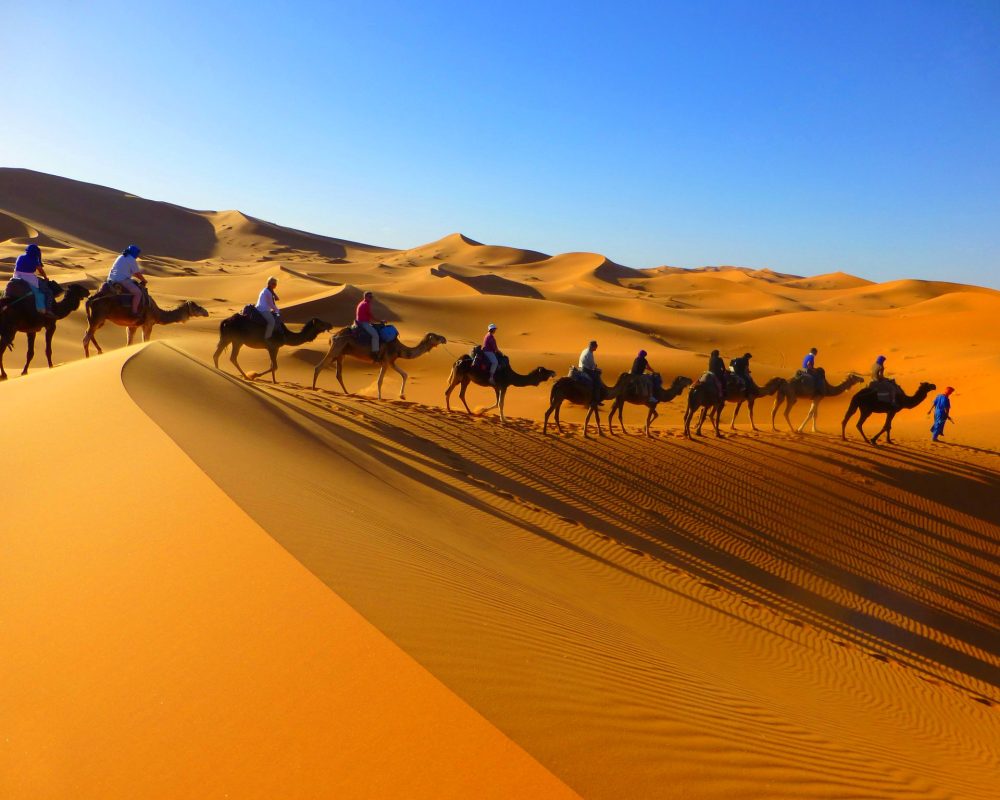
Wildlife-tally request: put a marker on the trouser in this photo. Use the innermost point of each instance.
(31, 279)
(368, 328)
(269, 321)
(937, 429)
(494, 363)
(133, 289)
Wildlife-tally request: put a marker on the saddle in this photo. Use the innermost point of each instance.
(114, 291)
(17, 289)
(386, 333)
(886, 390)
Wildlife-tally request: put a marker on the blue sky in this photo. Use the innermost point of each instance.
(804, 137)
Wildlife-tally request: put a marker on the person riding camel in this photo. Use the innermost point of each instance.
(490, 350)
(363, 318)
(28, 268)
(883, 385)
(125, 271)
(718, 368)
(640, 366)
(268, 307)
(941, 409)
(809, 367)
(588, 366)
(741, 368)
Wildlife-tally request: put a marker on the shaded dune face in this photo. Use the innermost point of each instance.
(770, 614)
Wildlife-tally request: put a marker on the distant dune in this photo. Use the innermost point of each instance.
(299, 593)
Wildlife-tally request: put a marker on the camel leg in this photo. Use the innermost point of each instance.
(501, 396)
(753, 425)
(809, 416)
(90, 337)
(30, 335)
(5, 341)
(815, 415)
(789, 402)
(653, 414)
(716, 417)
(545, 420)
(611, 418)
(461, 396)
(324, 364)
(147, 332)
(862, 416)
(778, 400)
(274, 364)
(340, 364)
(496, 400)
(701, 420)
(129, 336)
(232, 357)
(739, 405)
(402, 388)
(50, 331)
(886, 428)
(223, 343)
(381, 375)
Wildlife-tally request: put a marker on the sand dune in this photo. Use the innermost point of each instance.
(496, 612)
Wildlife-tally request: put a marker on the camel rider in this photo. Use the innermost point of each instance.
(640, 366)
(942, 413)
(363, 318)
(490, 350)
(878, 370)
(28, 268)
(588, 366)
(124, 271)
(882, 385)
(809, 367)
(718, 368)
(268, 307)
(741, 368)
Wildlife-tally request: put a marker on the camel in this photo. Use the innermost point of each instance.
(462, 372)
(867, 402)
(344, 343)
(734, 394)
(705, 395)
(802, 385)
(240, 331)
(115, 308)
(638, 390)
(19, 314)
(571, 390)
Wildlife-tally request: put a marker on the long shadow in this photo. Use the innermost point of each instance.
(700, 553)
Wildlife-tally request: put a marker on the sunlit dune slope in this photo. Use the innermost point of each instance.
(157, 643)
(754, 616)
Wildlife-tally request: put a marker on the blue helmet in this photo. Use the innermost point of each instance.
(34, 253)
(642, 354)
(132, 250)
(880, 359)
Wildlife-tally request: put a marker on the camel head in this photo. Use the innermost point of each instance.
(318, 326)
(926, 388)
(194, 309)
(77, 291)
(434, 339)
(853, 378)
(541, 374)
(680, 383)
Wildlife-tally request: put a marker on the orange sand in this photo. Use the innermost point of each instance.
(769, 615)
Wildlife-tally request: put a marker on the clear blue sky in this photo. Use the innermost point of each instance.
(801, 136)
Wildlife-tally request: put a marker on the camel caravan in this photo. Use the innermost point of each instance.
(32, 303)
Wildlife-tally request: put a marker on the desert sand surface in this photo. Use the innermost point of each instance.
(214, 586)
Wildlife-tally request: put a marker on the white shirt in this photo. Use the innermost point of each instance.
(265, 303)
(587, 359)
(123, 269)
